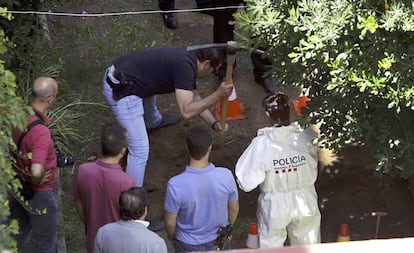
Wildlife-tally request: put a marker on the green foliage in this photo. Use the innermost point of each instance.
(12, 114)
(27, 52)
(355, 59)
(65, 122)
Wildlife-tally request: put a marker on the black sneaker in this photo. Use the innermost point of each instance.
(155, 225)
(170, 20)
(168, 120)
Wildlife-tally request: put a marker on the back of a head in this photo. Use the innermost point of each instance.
(113, 140)
(132, 203)
(277, 105)
(199, 140)
(44, 88)
(216, 56)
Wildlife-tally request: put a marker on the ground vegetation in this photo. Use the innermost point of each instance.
(354, 60)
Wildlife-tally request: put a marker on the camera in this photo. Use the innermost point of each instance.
(63, 160)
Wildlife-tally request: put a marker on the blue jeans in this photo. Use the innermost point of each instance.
(43, 225)
(136, 115)
(185, 247)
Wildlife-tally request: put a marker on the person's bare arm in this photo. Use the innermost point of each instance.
(38, 174)
(170, 220)
(191, 104)
(233, 211)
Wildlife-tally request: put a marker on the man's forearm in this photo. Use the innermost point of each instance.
(208, 117)
(170, 231)
(170, 220)
(233, 211)
(195, 105)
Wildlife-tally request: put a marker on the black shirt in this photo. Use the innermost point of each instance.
(158, 70)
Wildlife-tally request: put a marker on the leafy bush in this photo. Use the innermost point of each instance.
(12, 114)
(29, 56)
(355, 58)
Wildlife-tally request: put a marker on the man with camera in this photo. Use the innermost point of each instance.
(36, 167)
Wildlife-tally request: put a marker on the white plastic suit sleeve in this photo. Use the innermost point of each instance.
(247, 177)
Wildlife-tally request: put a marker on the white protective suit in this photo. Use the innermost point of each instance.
(283, 161)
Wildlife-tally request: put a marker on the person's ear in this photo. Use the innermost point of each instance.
(51, 99)
(123, 151)
(206, 64)
(145, 213)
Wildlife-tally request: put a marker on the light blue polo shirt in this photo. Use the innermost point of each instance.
(200, 198)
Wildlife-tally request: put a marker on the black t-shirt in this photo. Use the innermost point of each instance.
(158, 70)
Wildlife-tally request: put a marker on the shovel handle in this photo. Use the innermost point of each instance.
(231, 58)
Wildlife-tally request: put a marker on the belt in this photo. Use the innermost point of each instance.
(108, 79)
(121, 89)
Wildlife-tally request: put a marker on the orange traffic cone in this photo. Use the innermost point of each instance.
(233, 108)
(343, 235)
(299, 103)
(252, 241)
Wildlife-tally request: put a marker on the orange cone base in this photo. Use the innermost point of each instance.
(252, 241)
(343, 235)
(233, 111)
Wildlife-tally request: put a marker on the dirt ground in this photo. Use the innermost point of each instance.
(347, 189)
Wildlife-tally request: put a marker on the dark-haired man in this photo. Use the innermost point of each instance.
(201, 200)
(96, 187)
(283, 160)
(37, 164)
(130, 234)
(131, 83)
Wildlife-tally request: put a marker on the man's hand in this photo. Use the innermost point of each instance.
(46, 176)
(219, 128)
(224, 90)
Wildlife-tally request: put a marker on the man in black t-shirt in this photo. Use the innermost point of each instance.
(131, 83)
